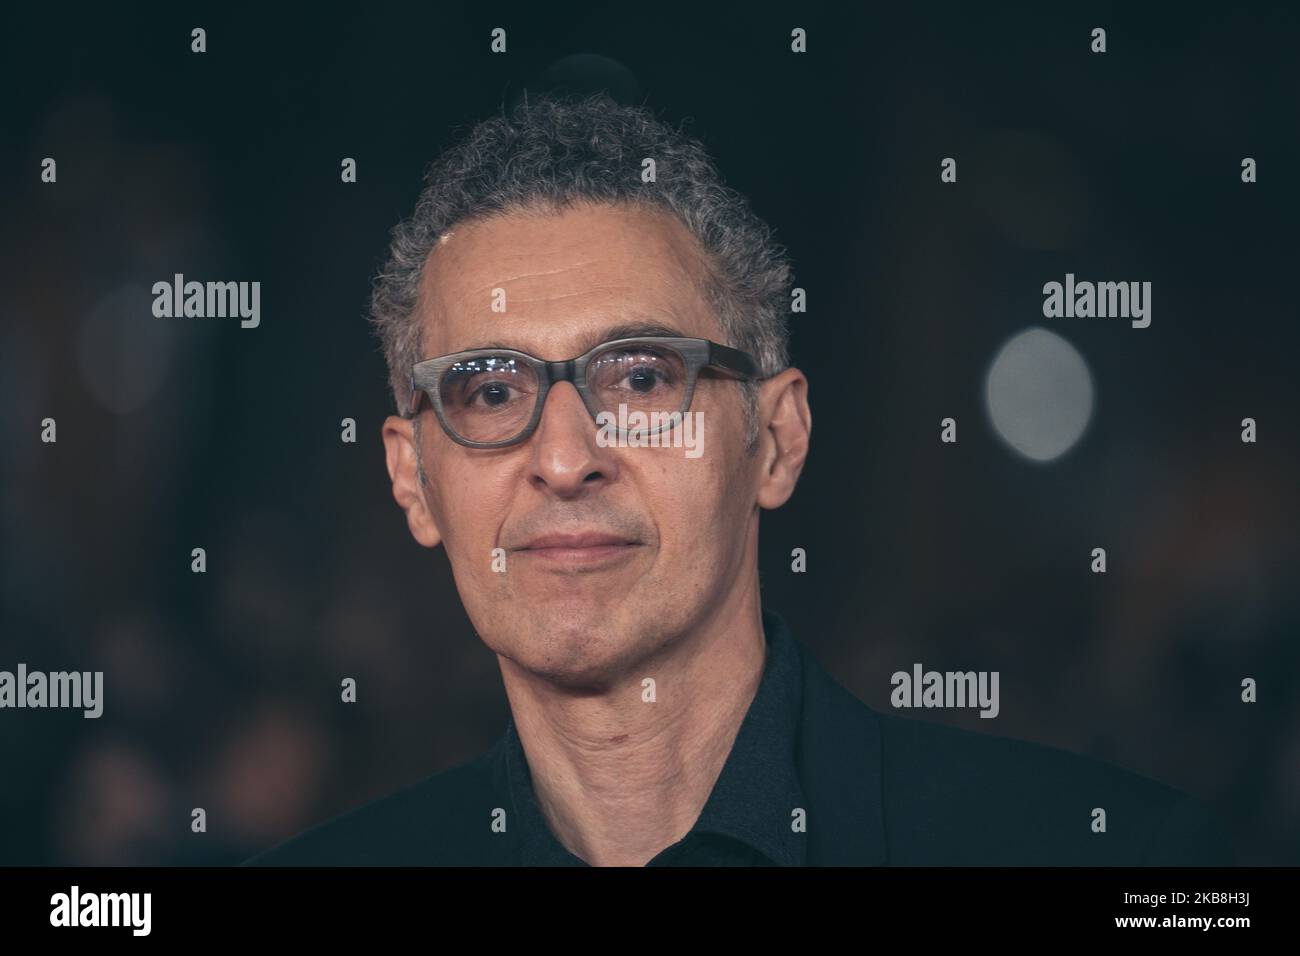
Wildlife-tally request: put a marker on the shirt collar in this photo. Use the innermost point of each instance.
(754, 799)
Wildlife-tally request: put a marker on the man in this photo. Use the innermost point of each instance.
(545, 291)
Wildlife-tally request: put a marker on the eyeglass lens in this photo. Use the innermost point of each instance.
(492, 398)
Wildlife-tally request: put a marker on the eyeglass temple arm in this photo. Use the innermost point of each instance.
(734, 362)
(417, 399)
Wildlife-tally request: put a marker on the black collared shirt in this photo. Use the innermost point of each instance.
(814, 777)
(751, 817)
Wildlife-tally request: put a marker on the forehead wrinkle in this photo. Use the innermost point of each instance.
(477, 295)
(570, 295)
(615, 265)
(530, 274)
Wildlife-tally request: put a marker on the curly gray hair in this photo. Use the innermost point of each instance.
(559, 151)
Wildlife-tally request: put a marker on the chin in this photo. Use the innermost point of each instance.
(574, 649)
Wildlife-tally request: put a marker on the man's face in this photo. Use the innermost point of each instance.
(576, 612)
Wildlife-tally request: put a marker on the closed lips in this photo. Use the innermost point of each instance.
(576, 541)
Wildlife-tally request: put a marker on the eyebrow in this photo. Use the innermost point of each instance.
(626, 330)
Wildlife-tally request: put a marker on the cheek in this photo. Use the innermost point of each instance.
(694, 505)
(467, 503)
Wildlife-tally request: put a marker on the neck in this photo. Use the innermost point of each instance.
(618, 778)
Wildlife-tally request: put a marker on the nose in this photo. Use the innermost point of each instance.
(567, 461)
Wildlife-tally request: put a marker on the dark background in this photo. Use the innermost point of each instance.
(222, 689)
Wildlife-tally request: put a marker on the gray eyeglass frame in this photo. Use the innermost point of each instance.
(426, 377)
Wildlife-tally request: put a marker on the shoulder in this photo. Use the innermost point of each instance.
(963, 796)
(418, 825)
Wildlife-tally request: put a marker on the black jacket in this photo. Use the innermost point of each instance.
(877, 789)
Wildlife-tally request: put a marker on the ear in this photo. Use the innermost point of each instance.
(785, 427)
(403, 468)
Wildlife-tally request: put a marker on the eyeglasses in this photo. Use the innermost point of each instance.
(490, 398)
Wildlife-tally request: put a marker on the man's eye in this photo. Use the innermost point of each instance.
(640, 372)
(492, 395)
(644, 378)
